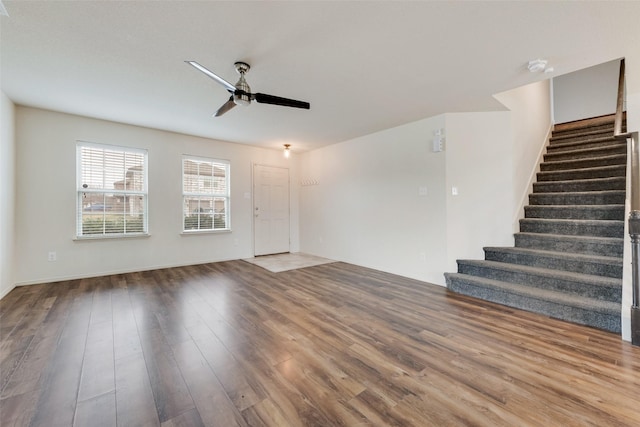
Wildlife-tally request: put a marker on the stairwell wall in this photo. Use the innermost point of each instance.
(530, 127)
(586, 93)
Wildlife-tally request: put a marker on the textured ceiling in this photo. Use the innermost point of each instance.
(363, 66)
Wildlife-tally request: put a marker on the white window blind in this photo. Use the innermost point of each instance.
(205, 194)
(112, 190)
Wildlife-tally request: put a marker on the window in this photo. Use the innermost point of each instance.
(205, 191)
(112, 191)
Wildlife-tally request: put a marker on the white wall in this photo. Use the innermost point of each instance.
(480, 165)
(366, 207)
(46, 199)
(7, 193)
(586, 93)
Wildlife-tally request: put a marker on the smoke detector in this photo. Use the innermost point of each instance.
(537, 65)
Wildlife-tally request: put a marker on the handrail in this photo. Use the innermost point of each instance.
(617, 129)
(634, 214)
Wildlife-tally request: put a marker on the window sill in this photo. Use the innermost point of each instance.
(114, 237)
(200, 232)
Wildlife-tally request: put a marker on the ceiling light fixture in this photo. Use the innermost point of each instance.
(287, 152)
(537, 65)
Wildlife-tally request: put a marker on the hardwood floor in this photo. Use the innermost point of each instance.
(230, 344)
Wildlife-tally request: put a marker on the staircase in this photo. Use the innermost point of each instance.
(567, 259)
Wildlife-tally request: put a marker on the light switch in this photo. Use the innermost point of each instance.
(438, 144)
(454, 191)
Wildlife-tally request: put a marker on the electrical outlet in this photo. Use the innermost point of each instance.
(52, 256)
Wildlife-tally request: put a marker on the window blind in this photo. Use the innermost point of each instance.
(206, 194)
(112, 190)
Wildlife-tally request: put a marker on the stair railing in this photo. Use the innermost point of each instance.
(634, 214)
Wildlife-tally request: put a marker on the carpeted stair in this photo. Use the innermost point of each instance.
(567, 259)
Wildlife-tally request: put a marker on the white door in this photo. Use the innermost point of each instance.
(270, 210)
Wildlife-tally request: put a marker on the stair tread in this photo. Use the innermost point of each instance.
(588, 207)
(587, 150)
(588, 169)
(574, 237)
(582, 192)
(611, 156)
(556, 254)
(593, 212)
(579, 221)
(543, 294)
(545, 272)
(554, 140)
(581, 184)
(585, 180)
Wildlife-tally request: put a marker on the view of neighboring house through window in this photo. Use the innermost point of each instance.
(205, 187)
(112, 190)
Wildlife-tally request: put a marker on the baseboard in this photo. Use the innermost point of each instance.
(5, 292)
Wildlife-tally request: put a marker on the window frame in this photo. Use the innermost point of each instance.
(124, 193)
(213, 195)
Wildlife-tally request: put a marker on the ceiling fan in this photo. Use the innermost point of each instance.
(241, 92)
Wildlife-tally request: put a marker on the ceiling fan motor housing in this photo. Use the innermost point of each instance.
(242, 95)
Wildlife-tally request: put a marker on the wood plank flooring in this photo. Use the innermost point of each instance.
(231, 344)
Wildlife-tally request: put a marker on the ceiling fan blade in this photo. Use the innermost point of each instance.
(225, 107)
(211, 74)
(277, 100)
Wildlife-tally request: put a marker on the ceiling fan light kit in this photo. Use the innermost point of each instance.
(241, 92)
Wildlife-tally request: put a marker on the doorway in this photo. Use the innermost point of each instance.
(270, 210)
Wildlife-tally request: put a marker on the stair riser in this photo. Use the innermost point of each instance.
(597, 198)
(584, 267)
(561, 244)
(617, 183)
(573, 229)
(609, 322)
(584, 163)
(607, 172)
(615, 213)
(550, 283)
(585, 154)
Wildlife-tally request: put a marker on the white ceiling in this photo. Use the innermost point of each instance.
(363, 66)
